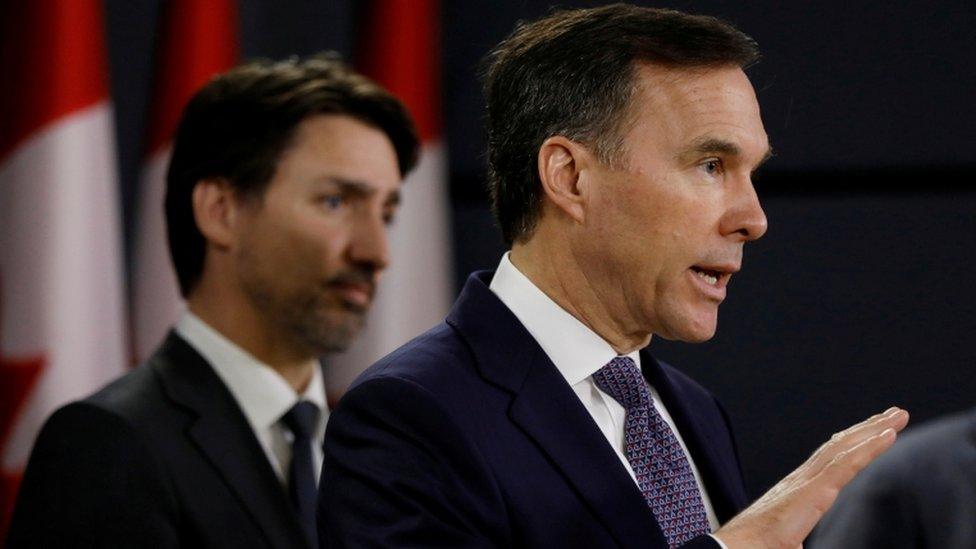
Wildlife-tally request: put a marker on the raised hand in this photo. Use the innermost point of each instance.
(786, 514)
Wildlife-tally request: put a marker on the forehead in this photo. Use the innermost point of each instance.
(340, 147)
(673, 108)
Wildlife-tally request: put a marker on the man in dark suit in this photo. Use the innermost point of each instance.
(283, 179)
(621, 144)
(920, 495)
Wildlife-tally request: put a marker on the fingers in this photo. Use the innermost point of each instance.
(785, 515)
(848, 463)
(816, 496)
(841, 459)
(894, 418)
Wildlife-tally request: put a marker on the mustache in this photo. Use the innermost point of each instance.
(723, 258)
(357, 277)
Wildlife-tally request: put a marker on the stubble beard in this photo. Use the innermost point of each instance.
(312, 322)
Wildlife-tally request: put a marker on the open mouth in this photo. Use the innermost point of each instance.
(715, 276)
(710, 276)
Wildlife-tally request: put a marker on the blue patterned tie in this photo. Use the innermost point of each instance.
(302, 489)
(660, 465)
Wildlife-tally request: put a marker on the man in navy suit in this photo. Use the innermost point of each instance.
(621, 145)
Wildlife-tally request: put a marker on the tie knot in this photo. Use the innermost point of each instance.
(301, 419)
(622, 380)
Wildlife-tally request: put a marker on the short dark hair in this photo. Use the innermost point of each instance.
(237, 126)
(572, 73)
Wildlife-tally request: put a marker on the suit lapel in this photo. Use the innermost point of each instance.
(719, 473)
(225, 439)
(549, 412)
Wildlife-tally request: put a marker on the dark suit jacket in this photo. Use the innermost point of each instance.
(469, 436)
(162, 457)
(920, 494)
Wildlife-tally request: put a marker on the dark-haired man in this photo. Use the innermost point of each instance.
(283, 179)
(621, 143)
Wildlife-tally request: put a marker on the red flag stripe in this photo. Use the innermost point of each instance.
(9, 484)
(197, 40)
(48, 74)
(401, 51)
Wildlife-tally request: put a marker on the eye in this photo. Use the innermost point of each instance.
(332, 201)
(712, 166)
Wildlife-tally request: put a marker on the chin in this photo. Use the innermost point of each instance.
(691, 330)
(698, 337)
(331, 332)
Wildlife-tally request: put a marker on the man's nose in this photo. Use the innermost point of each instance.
(368, 244)
(745, 216)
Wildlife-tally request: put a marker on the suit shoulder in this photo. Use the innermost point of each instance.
(84, 417)
(83, 440)
(117, 412)
(91, 476)
(684, 382)
(115, 405)
(138, 401)
(680, 377)
(434, 357)
(134, 396)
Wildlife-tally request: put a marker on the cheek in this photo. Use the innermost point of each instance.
(303, 246)
(317, 246)
(636, 238)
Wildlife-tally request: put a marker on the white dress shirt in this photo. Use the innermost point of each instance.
(263, 395)
(578, 353)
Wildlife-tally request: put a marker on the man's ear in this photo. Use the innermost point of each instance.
(561, 161)
(215, 209)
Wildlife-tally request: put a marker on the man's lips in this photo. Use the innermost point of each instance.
(356, 294)
(713, 279)
(354, 291)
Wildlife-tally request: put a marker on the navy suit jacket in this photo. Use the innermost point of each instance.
(468, 436)
(162, 457)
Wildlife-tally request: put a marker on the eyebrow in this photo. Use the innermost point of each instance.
(363, 189)
(715, 145)
(710, 145)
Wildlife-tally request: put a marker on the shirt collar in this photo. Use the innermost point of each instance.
(263, 395)
(576, 350)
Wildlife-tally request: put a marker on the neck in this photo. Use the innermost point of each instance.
(237, 320)
(555, 270)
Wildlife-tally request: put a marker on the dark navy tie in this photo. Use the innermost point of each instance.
(662, 469)
(301, 421)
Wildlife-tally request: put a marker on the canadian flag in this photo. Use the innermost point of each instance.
(61, 283)
(195, 41)
(401, 52)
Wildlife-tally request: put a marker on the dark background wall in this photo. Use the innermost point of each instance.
(858, 297)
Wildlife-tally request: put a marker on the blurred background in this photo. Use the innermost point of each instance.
(858, 297)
